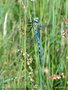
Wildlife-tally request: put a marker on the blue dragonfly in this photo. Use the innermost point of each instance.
(35, 24)
(36, 28)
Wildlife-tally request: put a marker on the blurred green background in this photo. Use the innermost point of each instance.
(18, 53)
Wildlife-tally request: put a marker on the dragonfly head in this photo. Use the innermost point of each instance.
(36, 20)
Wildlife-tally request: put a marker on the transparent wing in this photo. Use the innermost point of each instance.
(43, 26)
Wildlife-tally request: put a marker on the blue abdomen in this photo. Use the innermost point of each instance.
(39, 47)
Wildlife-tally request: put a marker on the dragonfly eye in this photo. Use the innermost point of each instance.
(36, 20)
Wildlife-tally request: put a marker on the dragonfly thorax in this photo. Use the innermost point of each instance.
(36, 24)
(35, 27)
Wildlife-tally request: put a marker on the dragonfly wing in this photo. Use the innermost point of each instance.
(43, 26)
(29, 29)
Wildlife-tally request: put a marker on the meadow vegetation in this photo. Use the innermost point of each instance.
(19, 61)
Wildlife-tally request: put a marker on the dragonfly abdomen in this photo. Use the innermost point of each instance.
(39, 51)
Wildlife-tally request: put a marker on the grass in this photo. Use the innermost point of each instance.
(19, 61)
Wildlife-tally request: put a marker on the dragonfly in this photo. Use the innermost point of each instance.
(36, 28)
(35, 24)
